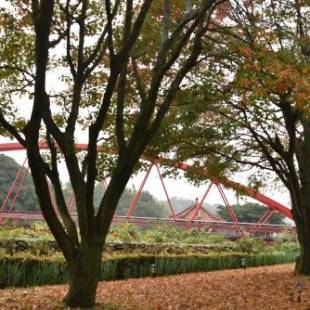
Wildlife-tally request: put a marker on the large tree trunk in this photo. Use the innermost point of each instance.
(303, 260)
(301, 205)
(85, 271)
(301, 212)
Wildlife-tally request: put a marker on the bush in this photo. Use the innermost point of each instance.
(249, 245)
(20, 271)
(25, 271)
(124, 232)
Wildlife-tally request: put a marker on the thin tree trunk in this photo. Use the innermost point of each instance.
(85, 271)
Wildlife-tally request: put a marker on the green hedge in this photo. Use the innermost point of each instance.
(28, 271)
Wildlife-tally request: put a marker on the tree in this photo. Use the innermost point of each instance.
(249, 213)
(26, 200)
(117, 81)
(260, 105)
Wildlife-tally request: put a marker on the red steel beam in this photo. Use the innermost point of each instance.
(138, 194)
(266, 216)
(237, 187)
(14, 146)
(229, 208)
(206, 194)
(263, 220)
(197, 207)
(12, 186)
(165, 190)
(19, 189)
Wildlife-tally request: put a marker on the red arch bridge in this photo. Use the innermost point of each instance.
(194, 216)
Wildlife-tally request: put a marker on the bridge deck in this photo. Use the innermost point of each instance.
(148, 221)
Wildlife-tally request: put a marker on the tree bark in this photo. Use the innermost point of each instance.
(302, 221)
(85, 271)
(303, 261)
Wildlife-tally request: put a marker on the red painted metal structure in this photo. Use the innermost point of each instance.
(12, 186)
(260, 226)
(138, 194)
(227, 227)
(196, 211)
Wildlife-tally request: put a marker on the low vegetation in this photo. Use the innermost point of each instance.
(168, 234)
(31, 270)
(30, 256)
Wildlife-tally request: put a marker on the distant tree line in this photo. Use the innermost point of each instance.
(147, 205)
(249, 213)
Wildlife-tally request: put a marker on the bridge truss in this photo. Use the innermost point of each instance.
(193, 217)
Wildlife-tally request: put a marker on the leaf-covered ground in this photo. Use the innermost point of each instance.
(273, 287)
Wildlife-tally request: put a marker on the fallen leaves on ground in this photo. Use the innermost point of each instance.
(273, 287)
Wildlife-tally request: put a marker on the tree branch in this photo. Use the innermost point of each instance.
(11, 129)
(60, 200)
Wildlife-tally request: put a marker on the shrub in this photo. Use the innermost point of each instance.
(25, 271)
(249, 245)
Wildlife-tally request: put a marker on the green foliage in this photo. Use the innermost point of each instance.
(249, 245)
(38, 231)
(175, 234)
(22, 271)
(284, 246)
(164, 233)
(286, 236)
(147, 206)
(250, 213)
(40, 238)
(124, 232)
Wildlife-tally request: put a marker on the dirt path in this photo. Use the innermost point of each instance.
(261, 288)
